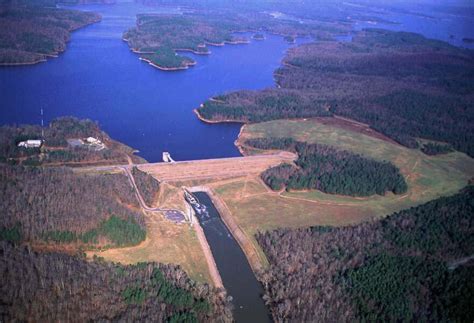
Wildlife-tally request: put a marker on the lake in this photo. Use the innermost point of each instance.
(99, 78)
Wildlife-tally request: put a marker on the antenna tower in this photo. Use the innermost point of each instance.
(42, 125)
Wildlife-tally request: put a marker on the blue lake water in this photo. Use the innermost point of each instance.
(98, 77)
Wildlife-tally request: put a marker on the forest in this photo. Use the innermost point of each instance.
(401, 84)
(58, 205)
(30, 31)
(329, 170)
(147, 185)
(403, 268)
(265, 105)
(53, 287)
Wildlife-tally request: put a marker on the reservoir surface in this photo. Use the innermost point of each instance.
(99, 78)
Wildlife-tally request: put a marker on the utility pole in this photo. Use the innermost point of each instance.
(42, 125)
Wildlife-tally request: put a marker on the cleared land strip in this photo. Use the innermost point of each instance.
(215, 168)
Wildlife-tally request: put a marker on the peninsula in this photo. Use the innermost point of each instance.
(31, 34)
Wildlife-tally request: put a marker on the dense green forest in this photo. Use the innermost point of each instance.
(329, 170)
(60, 205)
(52, 287)
(55, 149)
(436, 149)
(405, 267)
(32, 30)
(401, 84)
(147, 185)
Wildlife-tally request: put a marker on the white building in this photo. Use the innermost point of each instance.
(93, 140)
(30, 143)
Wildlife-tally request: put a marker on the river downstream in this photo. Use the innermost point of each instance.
(237, 275)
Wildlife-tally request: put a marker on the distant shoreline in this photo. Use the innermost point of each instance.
(52, 54)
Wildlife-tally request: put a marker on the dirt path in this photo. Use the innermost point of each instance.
(455, 264)
(314, 201)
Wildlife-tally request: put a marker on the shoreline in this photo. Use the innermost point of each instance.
(196, 112)
(25, 63)
(167, 69)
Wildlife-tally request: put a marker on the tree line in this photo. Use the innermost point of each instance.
(401, 84)
(147, 185)
(28, 33)
(329, 170)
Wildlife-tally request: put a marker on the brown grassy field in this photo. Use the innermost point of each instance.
(256, 208)
(166, 241)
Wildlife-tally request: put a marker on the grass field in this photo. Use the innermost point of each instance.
(256, 208)
(428, 177)
(166, 241)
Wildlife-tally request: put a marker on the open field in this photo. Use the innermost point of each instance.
(428, 177)
(256, 208)
(166, 242)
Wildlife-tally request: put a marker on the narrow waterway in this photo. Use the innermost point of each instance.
(236, 273)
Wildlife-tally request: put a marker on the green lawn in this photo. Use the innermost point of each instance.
(428, 177)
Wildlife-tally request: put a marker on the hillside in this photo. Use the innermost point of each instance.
(402, 268)
(65, 142)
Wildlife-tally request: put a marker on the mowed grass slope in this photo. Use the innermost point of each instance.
(256, 208)
(428, 177)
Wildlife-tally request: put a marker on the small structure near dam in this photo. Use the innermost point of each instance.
(167, 157)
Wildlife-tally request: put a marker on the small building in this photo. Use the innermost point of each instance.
(31, 143)
(167, 157)
(92, 140)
